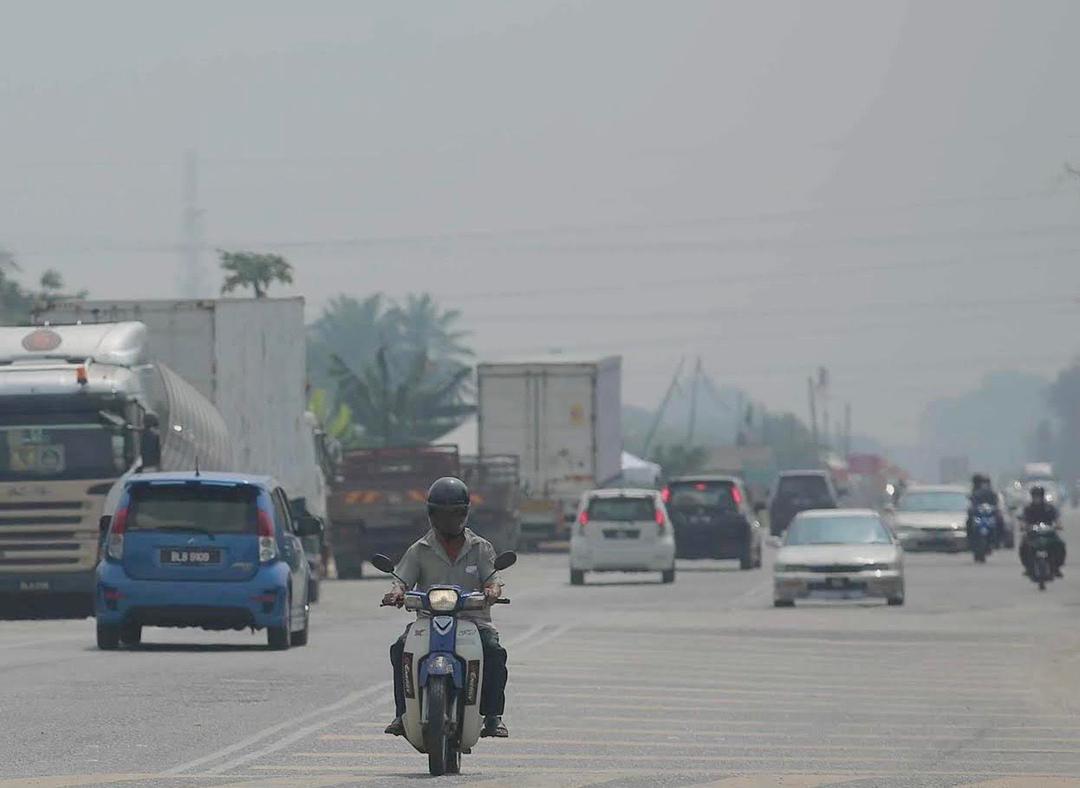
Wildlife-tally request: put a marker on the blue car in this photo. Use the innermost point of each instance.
(212, 550)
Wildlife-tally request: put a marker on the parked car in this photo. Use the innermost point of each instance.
(212, 550)
(838, 554)
(932, 517)
(798, 491)
(622, 531)
(713, 519)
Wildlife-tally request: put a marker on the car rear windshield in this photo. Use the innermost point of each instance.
(837, 530)
(622, 509)
(703, 494)
(812, 487)
(217, 509)
(937, 501)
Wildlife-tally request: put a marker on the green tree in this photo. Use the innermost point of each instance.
(422, 327)
(254, 270)
(350, 329)
(334, 419)
(411, 405)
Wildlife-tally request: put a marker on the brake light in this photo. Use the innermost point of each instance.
(665, 495)
(660, 519)
(701, 487)
(267, 543)
(583, 518)
(115, 549)
(736, 495)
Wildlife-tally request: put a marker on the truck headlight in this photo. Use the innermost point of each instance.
(443, 600)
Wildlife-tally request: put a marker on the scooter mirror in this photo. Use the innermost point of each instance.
(504, 560)
(382, 563)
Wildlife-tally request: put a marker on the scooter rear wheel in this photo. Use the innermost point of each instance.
(443, 756)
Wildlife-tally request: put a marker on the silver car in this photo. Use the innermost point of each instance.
(838, 554)
(932, 517)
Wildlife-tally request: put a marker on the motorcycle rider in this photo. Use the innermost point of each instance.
(1039, 511)
(451, 554)
(983, 493)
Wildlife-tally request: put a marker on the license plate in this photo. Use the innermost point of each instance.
(854, 593)
(190, 557)
(615, 533)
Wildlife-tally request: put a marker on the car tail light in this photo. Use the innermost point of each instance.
(660, 519)
(267, 542)
(701, 487)
(583, 519)
(665, 495)
(736, 496)
(116, 534)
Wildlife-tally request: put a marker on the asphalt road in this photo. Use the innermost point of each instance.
(622, 682)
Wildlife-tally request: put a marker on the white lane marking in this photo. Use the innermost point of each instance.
(255, 738)
(344, 706)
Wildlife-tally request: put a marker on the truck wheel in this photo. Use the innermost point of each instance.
(131, 634)
(108, 637)
(442, 756)
(577, 577)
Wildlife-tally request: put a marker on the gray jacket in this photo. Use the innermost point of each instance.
(427, 564)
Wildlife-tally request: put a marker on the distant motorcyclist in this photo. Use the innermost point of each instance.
(451, 554)
(982, 492)
(1040, 511)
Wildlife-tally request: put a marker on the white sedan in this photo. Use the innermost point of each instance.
(838, 554)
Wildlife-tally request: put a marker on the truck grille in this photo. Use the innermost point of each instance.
(46, 535)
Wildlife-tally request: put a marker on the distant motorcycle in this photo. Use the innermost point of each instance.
(983, 528)
(1041, 539)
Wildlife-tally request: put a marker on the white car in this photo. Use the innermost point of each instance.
(838, 554)
(932, 517)
(622, 531)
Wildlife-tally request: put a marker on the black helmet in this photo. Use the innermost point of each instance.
(978, 480)
(448, 506)
(1038, 492)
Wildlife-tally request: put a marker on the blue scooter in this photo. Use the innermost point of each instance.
(983, 527)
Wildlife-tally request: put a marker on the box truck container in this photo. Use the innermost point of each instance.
(249, 358)
(562, 417)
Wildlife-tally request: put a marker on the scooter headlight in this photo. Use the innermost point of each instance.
(443, 600)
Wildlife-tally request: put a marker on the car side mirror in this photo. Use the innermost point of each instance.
(103, 524)
(309, 526)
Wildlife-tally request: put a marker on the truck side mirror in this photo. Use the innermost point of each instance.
(150, 449)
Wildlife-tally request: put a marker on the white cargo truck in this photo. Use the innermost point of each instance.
(248, 357)
(562, 417)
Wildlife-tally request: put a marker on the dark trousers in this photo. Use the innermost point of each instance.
(493, 694)
(1056, 551)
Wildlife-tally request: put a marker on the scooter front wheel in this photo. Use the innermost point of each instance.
(443, 755)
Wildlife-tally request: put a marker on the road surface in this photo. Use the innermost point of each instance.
(622, 682)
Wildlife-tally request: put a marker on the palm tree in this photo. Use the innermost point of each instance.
(422, 327)
(350, 329)
(402, 406)
(254, 270)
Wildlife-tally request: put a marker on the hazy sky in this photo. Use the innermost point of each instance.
(873, 186)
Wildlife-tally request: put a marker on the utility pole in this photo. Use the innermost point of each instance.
(693, 403)
(191, 273)
(812, 391)
(847, 429)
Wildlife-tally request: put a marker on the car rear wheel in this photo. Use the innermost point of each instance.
(301, 638)
(108, 636)
(746, 560)
(577, 577)
(896, 601)
(278, 638)
(131, 634)
(668, 575)
(313, 590)
(783, 603)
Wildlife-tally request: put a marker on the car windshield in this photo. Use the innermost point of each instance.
(60, 446)
(622, 509)
(837, 530)
(703, 494)
(218, 509)
(937, 501)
